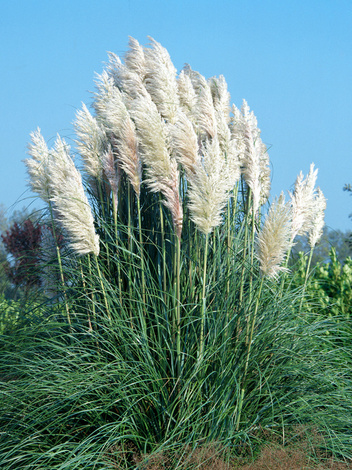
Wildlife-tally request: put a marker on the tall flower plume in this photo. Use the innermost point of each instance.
(185, 143)
(187, 94)
(112, 173)
(160, 80)
(208, 192)
(252, 154)
(37, 166)
(302, 202)
(274, 238)
(112, 112)
(162, 174)
(91, 143)
(70, 202)
(317, 220)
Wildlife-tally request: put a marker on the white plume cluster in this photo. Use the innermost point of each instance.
(253, 154)
(302, 215)
(57, 181)
(150, 121)
(164, 122)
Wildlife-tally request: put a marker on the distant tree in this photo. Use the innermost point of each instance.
(336, 239)
(22, 243)
(7, 286)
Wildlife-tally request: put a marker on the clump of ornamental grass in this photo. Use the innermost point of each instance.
(176, 325)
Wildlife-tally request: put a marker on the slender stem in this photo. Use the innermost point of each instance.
(130, 246)
(102, 287)
(248, 355)
(102, 205)
(85, 289)
(306, 279)
(58, 255)
(114, 202)
(141, 251)
(231, 222)
(252, 257)
(249, 197)
(201, 349)
(178, 303)
(228, 264)
(244, 255)
(234, 205)
(283, 279)
(163, 246)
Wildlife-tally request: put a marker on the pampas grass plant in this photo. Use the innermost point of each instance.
(181, 331)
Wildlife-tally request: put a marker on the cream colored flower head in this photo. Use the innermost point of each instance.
(274, 238)
(70, 202)
(37, 166)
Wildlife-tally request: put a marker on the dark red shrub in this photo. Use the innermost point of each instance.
(22, 242)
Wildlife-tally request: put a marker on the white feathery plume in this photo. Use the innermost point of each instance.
(161, 170)
(274, 238)
(37, 166)
(185, 143)
(135, 58)
(252, 153)
(112, 173)
(228, 145)
(221, 96)
(208, 191)
(91, 143)
(252, 168)
(237, 127)
(265, 182)
(187, 94)
(114, 114)
(126, 146)
(70, 202)
(233, 164)
(210, 176)
(196, 78)
(108, 103)
(251, 119)
(243, 119)
(205, 111)
(160, 80)
(125, 79)
(222, 127)
(223, 131)
(317, 222)
(302, 201)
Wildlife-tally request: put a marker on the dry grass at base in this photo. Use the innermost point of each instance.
(270, 455)
(281, 458)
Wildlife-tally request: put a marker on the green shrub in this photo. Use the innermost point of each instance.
(329, 286)
(9, 313)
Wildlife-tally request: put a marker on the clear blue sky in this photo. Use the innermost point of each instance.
(291, 60)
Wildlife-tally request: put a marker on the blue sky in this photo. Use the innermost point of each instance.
(291, 60)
